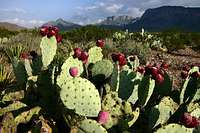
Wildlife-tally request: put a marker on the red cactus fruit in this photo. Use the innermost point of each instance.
(122, 59)
(52, 32)
(44, 30)
(55, 29)
(184, 74)
(73, 71)
(84, 57)
(24, 55)
(159, 79)
(141, 70)
(189, 121)
(154, 71)
(77, 52)
(103, 117)
(164, 66)
(58, 38)
(100, 43)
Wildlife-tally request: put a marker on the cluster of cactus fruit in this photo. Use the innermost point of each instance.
(98, 95)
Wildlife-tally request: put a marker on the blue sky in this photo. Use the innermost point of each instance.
(30, 13)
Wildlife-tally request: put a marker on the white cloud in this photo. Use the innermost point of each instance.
(15, 10)
(114, 8)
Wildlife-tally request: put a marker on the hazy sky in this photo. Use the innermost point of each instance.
(32, 13)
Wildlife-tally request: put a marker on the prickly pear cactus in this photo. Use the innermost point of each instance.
(8, 124)
(13, 96)
(65, 74)
(19, 71)
(121, 112)
(90, 126)
(14, 106)
(103, 68)
(26, 116)
(174, 128)
(160, 113)
(48, 49)
(95, 54)
(82, 96)
(134, 96)
(145, 90)
(127, 84)
(190, 90)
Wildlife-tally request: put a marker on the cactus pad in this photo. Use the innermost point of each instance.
(162, 112)
(82, 96)
(19, 71)
(48, 49)
(28, 68)
(95, 54)
(14, 106)
(145, 90)
(103, 67)
(90, 126)
(13, 96)
(65, 74)
(174, 128)
(26, 116)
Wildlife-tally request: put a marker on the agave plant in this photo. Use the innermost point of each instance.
(5, 77)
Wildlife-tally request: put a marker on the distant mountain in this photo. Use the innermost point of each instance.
(117, 20)
(63, 25)
(11, 27)
(168, 17)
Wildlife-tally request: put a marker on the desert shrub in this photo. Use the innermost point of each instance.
(87, 34)
(6, 33)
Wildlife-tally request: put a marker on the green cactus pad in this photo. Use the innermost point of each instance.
(189, 90)
(134, 96)
(120, 111)
(126, 85)
(174, 128)
(28, 68)
(13, 96)
(95, 54)
(115, 78)
(160, 113)
(14, 106)
(103, 67)
(65, 75)
(48, 49)
(8, 124)
(19, 71)
(82, 96)
(196, 112)
(90, 126)
(26, 116)
(145, 90)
